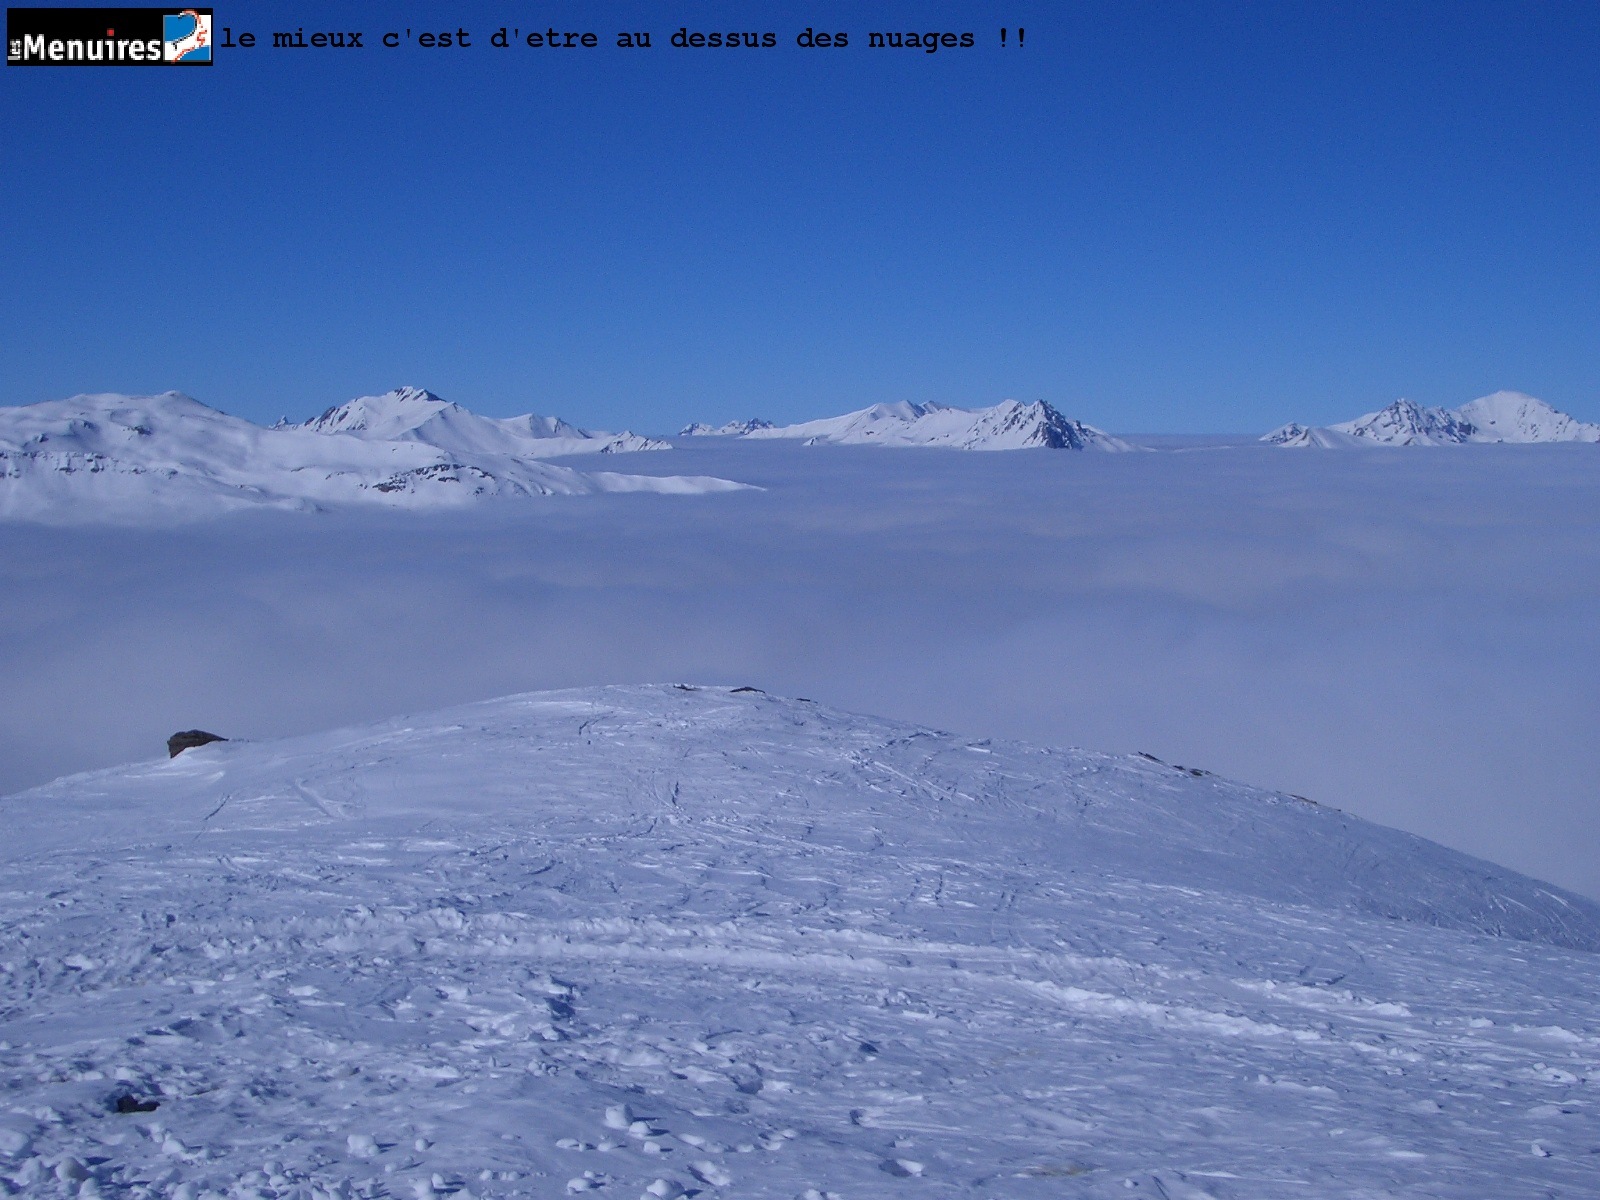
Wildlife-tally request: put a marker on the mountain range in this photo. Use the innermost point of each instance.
(110, 455)
(1500, 417)
(417, 415)
(1009, 425)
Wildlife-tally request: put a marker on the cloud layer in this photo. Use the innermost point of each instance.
(1406, 635)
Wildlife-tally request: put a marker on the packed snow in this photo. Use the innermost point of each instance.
(111, 457)
(1009, 425)
(1501, 417)
(667, 940)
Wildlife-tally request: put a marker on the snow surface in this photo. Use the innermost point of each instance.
(1501, 417)
(1009, 425)
(652, 941)
(417, 415)
(111, 457)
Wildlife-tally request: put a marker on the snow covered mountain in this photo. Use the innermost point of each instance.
(1514, 417)
(1406, 423)
(110, 456)
(1009, 425)
(1297, 435)
(417, 415)
(666, 940)
(731, 429)
(1501, 417)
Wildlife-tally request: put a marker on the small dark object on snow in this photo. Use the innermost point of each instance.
(127, 1103)
(188, 740)
(736, 691)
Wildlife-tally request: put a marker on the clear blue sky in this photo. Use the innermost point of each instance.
(1161, 217)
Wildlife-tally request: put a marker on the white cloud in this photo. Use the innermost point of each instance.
(1409, 637)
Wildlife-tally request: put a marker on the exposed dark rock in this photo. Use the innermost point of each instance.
(738, 690)
(188, 740)
(128, 1103)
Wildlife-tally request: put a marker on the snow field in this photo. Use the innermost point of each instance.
(657, 942)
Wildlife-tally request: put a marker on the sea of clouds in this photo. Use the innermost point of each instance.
(1405, 634)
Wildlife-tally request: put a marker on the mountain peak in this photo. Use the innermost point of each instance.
(1008, 425)
(1504, 416)
(1407, 423)
(393, 413)
(731, 429)
(1507, 416)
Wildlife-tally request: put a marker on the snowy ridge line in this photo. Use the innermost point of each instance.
(127, 459)
(1009, 425)
(1215, 828)
(1499, 418)
(417, 415)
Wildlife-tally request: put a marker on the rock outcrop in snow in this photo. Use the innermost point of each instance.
(116, 457)
(1010, 425)
(1501, 417)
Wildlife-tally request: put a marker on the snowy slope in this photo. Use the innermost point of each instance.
(417, 415)
(1009, 425)
(1515, 417)
(1501, 417)
(109, 456)
(645, 941)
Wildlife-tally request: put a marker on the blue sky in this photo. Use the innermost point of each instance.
(1160, 217)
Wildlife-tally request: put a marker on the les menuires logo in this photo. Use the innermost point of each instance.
(108, 37)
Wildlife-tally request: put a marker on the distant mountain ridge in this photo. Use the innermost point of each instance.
(1503, 417)
(113, 456)
(1009, 425)
(731, 429)
(417, 415)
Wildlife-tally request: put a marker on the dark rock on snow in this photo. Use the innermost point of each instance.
(188, 740)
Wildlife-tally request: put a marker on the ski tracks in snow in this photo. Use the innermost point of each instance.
(332, 1012)
(657, 983)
